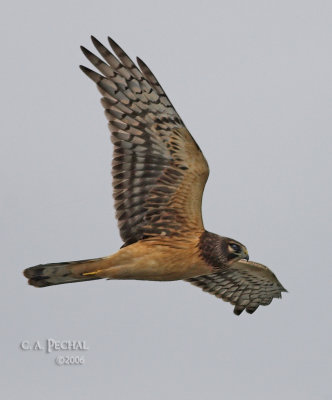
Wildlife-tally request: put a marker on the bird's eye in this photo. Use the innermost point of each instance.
(235, 247)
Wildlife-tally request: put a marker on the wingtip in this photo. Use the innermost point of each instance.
(114, 45)
(282, 289)
(141, 64)
(85, 51)
(89, 72)
(95, 41)
(84, 69)
(111, 41)
(238, 310)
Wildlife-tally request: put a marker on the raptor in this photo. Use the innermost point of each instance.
(159, 174)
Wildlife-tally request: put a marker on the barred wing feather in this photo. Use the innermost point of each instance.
(158, 170)
(246, 284)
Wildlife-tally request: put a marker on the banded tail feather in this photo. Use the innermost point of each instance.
(64, 272)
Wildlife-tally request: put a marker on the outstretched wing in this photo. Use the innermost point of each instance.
(245, 284)
(159, 172)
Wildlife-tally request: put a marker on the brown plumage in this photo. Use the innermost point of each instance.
(159, 174)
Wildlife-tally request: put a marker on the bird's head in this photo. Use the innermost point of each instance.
(219, 251)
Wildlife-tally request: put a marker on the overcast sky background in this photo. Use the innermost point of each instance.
(252, 81)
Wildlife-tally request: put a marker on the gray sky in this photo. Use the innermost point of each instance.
(252, 81)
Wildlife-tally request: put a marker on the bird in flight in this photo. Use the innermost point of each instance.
(159, 174)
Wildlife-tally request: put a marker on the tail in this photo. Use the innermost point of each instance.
(65, 272)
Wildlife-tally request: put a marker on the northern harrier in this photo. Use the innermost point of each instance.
(159, 174)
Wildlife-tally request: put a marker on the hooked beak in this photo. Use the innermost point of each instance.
(245, 255)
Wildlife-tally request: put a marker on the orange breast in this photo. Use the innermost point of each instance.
(161, 260)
